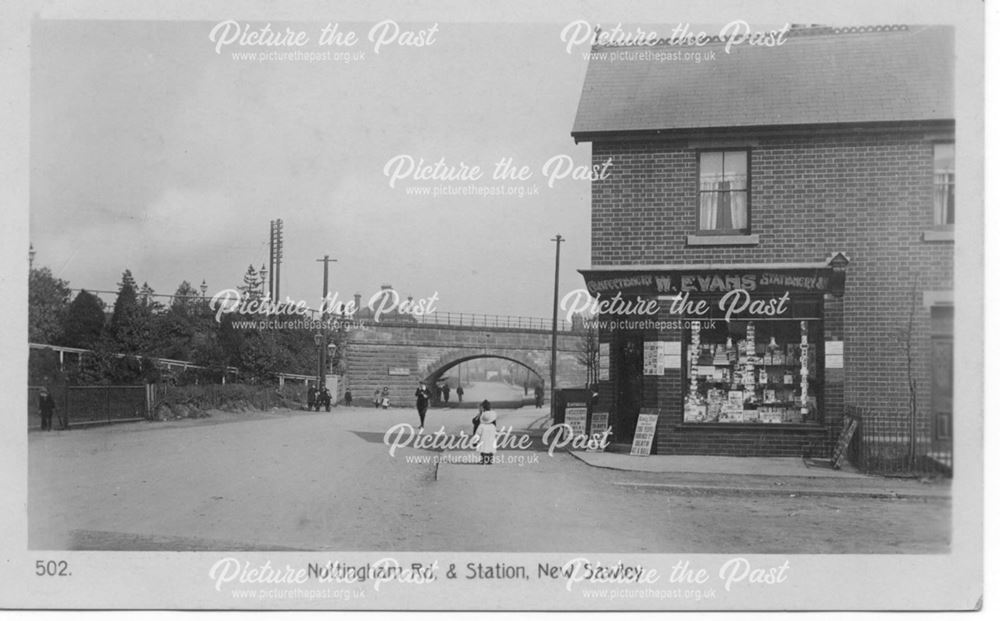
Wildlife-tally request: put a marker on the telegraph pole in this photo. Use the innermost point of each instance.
(558, 239)
(279, 254)
(270, 263)
(276, 254)
(321, 337)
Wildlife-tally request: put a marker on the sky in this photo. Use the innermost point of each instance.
(151, 151)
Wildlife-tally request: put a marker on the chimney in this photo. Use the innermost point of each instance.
(357, 302)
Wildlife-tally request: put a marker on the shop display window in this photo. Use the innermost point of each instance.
(748, 372)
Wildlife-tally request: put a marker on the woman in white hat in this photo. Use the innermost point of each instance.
(487, 435)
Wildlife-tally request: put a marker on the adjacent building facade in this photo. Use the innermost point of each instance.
(790, 209)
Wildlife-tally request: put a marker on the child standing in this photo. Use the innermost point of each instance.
(487, 435)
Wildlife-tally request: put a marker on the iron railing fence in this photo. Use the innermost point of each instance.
(90, 405)
(888, 447)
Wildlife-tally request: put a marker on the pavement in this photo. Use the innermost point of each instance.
(786, 476)
(761, 475)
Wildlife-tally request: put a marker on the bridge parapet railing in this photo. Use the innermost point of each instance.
(476, 320)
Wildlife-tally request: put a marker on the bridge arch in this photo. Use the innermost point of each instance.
(435, 370)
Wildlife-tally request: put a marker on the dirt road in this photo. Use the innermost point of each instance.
(326, 481)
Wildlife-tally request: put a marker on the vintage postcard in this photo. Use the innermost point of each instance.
(526, 306)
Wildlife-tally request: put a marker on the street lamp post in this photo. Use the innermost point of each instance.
(321, 337)
(558, 239)
(320, 375)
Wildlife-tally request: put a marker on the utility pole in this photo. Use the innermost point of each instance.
(270, 263)
(276, 247)
(558, 239)
(321, 337)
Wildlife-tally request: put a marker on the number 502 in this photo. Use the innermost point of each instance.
(52, 568)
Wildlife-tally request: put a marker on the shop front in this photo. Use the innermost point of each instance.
(735, 359)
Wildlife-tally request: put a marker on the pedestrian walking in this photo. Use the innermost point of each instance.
(348, 397)
(486, 443)
(311, 397)
(46, 406)
(385, 397)
(447, 392)
(460, 392)
(539, 396)
(326, 398)
(423, 399)
(377, 399)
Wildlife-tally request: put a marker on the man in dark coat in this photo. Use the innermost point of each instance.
(46, 406)
(423, 399)
(311, 397)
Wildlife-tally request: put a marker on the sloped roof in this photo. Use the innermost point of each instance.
(818, 76)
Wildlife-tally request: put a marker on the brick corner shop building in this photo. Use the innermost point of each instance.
(805, 189)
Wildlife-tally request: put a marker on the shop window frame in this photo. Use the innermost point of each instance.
(819, 381)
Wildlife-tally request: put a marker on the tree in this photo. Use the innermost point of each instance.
(185, 299)
(588, 354)
(84, 321)
(130, 321)
(253, 284)
(147, 299)
(905, 337)
(48, 303)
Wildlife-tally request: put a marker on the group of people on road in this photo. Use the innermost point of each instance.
(484, 429)
(316, 398)
(442, 392)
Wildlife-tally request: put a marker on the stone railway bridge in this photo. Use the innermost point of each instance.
(399, 356)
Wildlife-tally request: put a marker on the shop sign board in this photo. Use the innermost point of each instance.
(703, 281)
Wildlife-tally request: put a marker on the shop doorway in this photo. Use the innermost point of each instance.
(628, 385)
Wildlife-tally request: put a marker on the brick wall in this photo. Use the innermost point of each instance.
(869, 196)
(425, 351)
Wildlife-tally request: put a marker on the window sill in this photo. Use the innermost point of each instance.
(937, 235)
(723, 240)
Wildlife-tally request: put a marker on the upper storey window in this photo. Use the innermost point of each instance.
(724, 192)
(944, 183)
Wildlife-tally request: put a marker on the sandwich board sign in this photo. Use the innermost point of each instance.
(598, 425)
(576, 418)
(645, 432)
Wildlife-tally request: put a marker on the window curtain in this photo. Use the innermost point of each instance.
(709, 205)
(943, 183)
(723, 202)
